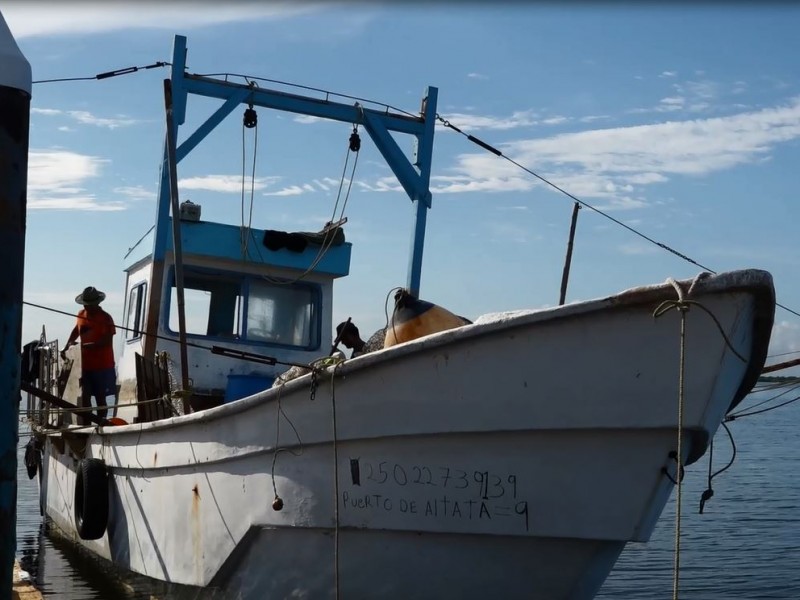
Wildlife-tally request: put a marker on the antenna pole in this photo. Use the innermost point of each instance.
(568, 261)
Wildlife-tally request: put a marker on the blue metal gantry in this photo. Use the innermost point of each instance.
(413, 176)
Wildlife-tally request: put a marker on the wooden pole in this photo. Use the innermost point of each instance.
(56, 401)
(176, 242)
(780, 366)
(568, 261)
(15, 104)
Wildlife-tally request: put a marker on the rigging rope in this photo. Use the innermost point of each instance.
(544, 180)
(107, 74)
(709, 491)
(758, 412)
(277, 503)
(160, 337)
(246, 224)
(354, 145)
(250, 80)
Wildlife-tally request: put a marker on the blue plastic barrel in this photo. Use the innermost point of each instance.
(241, 386)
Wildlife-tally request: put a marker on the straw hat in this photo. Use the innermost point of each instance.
(90, 296)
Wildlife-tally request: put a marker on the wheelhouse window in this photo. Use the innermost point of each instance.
(248, 308)
(135, 312)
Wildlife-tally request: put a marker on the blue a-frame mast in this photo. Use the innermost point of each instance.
(413, 176)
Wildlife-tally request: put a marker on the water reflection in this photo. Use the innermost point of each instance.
(63, 570)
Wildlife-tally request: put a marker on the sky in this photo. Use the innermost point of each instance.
(680, 120)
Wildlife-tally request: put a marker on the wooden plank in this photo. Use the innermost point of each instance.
(152, 382)
(55, 400)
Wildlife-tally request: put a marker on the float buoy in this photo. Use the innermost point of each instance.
(91, 498)
(413, 318)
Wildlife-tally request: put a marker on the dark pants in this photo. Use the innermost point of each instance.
(99, 384)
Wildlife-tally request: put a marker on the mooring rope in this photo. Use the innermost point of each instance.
(682, 306)
(277, 503)
(335, 484)
(80, 409)
(317, 368)
(678, 498)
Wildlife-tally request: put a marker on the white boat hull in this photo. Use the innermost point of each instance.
(512, 458)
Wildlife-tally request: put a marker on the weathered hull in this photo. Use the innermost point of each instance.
(513, 457)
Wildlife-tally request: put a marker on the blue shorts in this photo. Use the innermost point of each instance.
(100, 383)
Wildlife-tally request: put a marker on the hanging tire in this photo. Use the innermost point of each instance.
(91, 498)
(33, 458)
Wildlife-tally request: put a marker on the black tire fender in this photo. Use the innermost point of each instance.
(91, 498)
(33, 458)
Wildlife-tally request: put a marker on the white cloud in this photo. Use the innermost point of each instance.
(467, 122)
(323, 185)
(555, 120)
(442, 184)
(384, 184)
(56, 180)
(226, 183)
(706, 90)
(739, 87)
(672, 103)
(86, 118)
(643, 178)
(477, 76)
(684, 147)
(292, 190)
(46, 111)
(669, 74)
(593, 118)
(692, 96)
(616, 163)
(135, 192)
(86, 202)
(307, 119)
(329, 183)
(59, 18)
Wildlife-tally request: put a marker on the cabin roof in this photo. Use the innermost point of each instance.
(296, 251)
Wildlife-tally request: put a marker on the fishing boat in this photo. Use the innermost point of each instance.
(460, 460)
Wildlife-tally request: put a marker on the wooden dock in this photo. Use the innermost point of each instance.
(23, 590)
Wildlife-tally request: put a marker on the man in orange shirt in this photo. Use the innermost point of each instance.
(96, 329)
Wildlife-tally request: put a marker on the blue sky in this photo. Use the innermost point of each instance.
(681, 121)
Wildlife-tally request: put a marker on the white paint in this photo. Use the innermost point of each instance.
(547, 429)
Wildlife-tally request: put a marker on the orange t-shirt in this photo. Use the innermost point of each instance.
(94, 327)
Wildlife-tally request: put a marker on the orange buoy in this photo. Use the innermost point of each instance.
(414, 318)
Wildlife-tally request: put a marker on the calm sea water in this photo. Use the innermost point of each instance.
(746, 544)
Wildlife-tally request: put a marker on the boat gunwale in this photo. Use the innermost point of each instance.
(759, 282)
